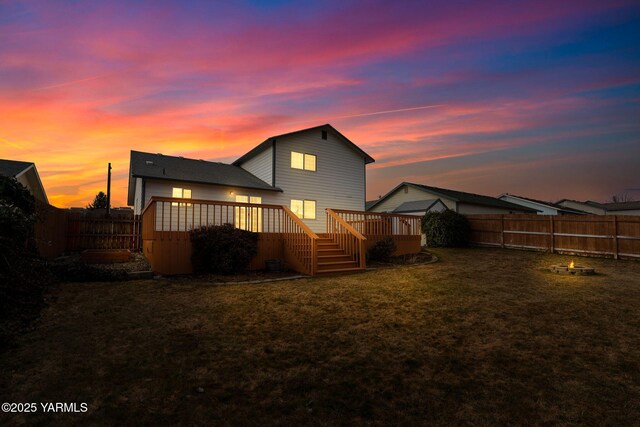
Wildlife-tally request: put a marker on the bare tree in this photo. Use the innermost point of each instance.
(622, 197)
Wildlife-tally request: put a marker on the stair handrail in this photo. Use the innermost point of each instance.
(351, 247)
(305, 247)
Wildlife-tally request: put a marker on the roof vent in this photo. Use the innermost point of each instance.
(150, 162)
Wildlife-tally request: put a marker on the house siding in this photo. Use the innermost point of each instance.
(261, 165)
(338, 182)
(164, 188)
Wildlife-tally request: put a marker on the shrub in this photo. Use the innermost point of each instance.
(445, 229)
(23, 278)
(17, 217)
(382, 250)
(222, 249)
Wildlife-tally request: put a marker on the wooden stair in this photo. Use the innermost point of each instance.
(332, 259)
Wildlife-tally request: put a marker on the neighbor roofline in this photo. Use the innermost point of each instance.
(35, 170)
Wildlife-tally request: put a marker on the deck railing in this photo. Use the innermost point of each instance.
(381, 224)
(300, 240)
(347, 237)
(173, 214)
(166, 218)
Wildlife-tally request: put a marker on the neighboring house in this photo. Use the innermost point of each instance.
(544, 208)
(420, 207)
(308, 171)
(458, 201)
(619, 208)
(26, 174)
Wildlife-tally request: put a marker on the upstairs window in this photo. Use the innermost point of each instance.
(303, 161)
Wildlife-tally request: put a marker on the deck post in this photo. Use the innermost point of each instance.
(551, 234)
(615, 237)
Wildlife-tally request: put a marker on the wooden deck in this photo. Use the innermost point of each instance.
(166, 223)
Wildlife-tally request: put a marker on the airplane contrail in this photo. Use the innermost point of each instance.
(70, 82)
(375, 113)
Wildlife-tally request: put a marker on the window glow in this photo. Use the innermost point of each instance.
(297, 160)
(310, 209)
(297, 207)
(310, 162)
(303, 161)
(305, 209)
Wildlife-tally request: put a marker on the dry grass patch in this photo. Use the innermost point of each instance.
(483, 336)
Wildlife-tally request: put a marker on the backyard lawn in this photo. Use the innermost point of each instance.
(483, 336)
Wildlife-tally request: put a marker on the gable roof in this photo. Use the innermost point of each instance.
(326, 127)
(16, 168)
(460, 196)
(417, 206)
(13, 168)
(160, 166)
(368, 204)
(551, 205)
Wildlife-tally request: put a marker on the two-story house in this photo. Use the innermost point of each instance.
(308, 171)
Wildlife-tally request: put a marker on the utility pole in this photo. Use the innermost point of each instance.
(109, 191)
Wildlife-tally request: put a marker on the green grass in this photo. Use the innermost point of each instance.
(484, 336)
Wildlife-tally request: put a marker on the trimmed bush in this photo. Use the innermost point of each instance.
(382, 250)
(222, 249)
(446, 229)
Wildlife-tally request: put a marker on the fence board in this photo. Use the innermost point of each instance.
(615, 236)
(102, 233)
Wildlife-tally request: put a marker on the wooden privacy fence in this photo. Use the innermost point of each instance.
(84, 232)
(50, 230)
(616, 235)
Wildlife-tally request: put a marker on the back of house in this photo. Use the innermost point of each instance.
(308, 171)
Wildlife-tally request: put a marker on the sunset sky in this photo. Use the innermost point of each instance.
(536, 98)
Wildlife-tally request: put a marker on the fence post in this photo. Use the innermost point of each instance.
(551, 234)
(502, 231)
(615, 237)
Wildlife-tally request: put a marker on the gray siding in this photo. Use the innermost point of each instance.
(162, 188)
(261, 165)
(338, 182)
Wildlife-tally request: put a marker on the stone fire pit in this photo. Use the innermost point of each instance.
(578, 270)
